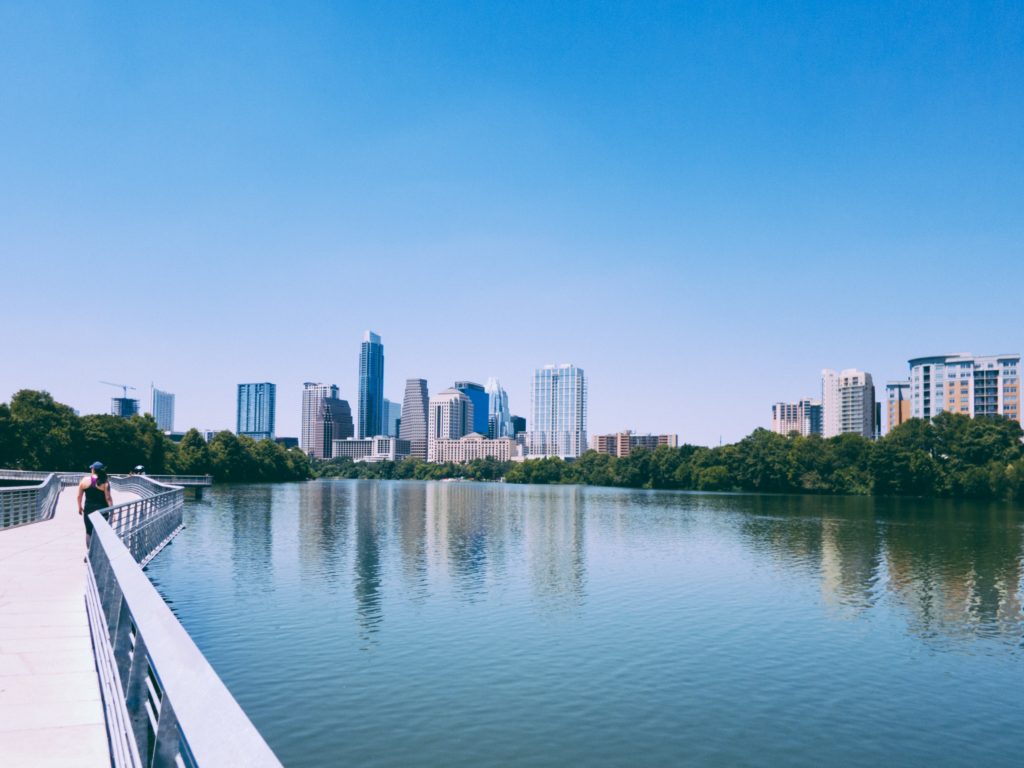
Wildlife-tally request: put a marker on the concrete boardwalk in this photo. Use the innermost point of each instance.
(50, 708)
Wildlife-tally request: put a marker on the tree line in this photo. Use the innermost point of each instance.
(38, 433)
(950, 456)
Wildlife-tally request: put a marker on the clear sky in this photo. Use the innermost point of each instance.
(700, 205)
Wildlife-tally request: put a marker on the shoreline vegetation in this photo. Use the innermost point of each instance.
(38, 433)
(952, 456)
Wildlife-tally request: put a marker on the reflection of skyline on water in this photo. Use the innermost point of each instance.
(950, 570)
(953, 568)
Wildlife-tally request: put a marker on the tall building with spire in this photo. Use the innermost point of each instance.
(499, 417)
(413, 426)
(371, 386)
(558, 412)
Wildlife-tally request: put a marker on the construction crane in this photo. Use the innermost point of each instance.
(124, 388)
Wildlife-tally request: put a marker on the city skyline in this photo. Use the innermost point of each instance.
(741, 172)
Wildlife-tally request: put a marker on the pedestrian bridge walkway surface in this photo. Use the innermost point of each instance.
(51, 713)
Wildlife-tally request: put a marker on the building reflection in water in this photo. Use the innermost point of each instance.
(955, 568)
(252, 539)
(555, 541)
(372, 502)
(324, 533)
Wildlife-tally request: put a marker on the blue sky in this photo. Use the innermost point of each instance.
(701, 205)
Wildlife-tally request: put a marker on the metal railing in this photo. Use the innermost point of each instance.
(29, 503)
(148, 523)
(186, 480)
(166, 707)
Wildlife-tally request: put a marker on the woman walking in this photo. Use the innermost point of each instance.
(95, 489)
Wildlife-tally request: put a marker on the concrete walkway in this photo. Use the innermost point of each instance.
(50, 708)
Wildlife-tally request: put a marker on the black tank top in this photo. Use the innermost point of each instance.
(94, 497)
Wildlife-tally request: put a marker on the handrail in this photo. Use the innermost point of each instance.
(165, 704)
(26, 504)
(148, 523)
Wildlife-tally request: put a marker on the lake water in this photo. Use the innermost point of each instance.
(366, 623)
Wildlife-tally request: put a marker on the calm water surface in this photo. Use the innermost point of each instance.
(370, 623)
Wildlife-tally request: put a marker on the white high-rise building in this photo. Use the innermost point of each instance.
(499, 420)
(163, 410)
(847, 403)
(803, 417)
(558, 408)
(449, 417)
(967, 384)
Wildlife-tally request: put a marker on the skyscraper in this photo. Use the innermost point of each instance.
(414, 417)
(965, 383)
(481, 407)
(333, 422)
(450, 416)
(391, 416)
(371, 386)
(256, 410)
(163, 410)
(558, 412)
(499, 419)
(312, 394)
(848, 403)
(803, 417)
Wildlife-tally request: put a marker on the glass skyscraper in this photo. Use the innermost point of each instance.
(257, 405)
(371, 386)
(499, 419)
(163, 410)
(558, 412)
(481, 408)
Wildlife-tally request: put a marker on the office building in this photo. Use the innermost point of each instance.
(803, 417)
(163, 409)
(450, 416)
(499, 417)
(558, 412)
(255, 412)
(965, 383)
(392, 416)
(518, 425)
(125, 407)
(371, 386)
(473, 446)
(370, 449)
(413, 426)
(325, 417)
(848, 403)
(622, 444)
(481, 404)
(897, 403)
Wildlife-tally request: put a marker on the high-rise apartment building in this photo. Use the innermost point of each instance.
(967, 384)
(623, 444)
(499, 417)
(371, 386)
(125, 407)
(558, 412)
(256, 410)
(450, 416)
(163, 409)
(848, 403)
(897, 403)
(414, 417)
(481, 404)
(803, 417)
